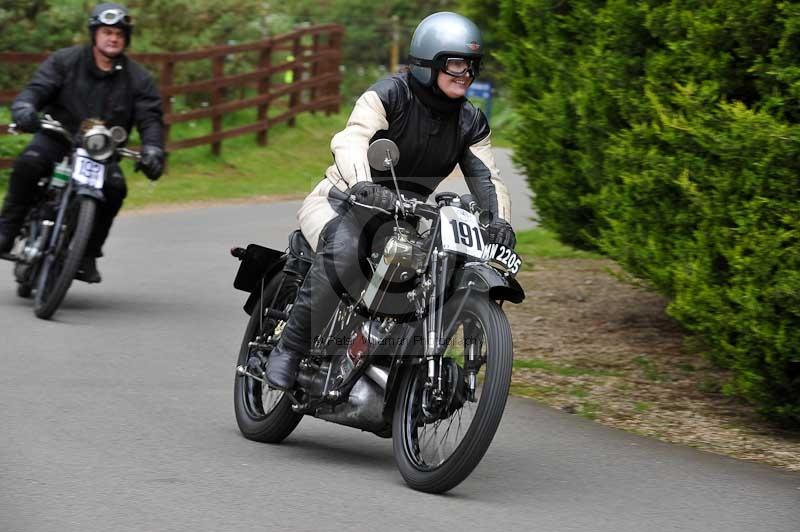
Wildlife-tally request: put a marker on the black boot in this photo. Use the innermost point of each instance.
(87, 271)
(6, 242)
(282, 367)
(11, 218)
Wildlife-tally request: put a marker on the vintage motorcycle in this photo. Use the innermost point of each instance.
(423, 356)
(56, 231)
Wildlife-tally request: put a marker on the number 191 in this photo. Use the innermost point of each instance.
(462, 233)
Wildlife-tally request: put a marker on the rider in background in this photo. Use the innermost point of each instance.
(425, 112)
(91, 81)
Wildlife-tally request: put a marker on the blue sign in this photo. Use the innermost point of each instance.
(480, 89)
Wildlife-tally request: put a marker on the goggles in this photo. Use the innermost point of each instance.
(110, 17)
(452, 66)
(459, 66)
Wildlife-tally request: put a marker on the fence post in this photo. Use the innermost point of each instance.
(297, 76)
(334, 43)
(167, 77)
(264, 61)
(316, 70)
(216, 100)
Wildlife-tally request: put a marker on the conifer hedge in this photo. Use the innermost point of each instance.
(667, 135)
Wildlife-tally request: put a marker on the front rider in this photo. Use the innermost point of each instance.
(95, 80)
(425, 112)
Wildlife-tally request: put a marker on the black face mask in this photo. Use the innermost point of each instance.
(434, 98)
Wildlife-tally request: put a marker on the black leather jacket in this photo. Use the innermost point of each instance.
(69, 86)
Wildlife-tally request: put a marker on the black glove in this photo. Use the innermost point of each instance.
(375, 195)
(500, 232)
(25, 116)
(152, 162)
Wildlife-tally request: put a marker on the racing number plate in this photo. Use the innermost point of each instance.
(460, 232)
(88, 172)
(503, 257)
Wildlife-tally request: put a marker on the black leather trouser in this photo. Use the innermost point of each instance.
(339, 267)
(38, 160)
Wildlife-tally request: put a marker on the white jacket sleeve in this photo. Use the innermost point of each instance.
(349, 146)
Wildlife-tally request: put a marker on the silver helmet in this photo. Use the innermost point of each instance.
(439, 37)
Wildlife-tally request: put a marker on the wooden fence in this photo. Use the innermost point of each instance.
(280, 77)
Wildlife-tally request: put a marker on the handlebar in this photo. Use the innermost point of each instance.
(48, 123)
(131, 154)
(340, 195)
(409, 207)
(55, 126)
(51, 124)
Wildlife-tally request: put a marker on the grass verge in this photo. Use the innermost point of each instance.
(540, 243)
(292, 163)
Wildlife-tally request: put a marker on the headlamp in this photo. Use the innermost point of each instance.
(97, 143)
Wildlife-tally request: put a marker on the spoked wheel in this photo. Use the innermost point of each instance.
(438, 442)
(59, 267)
(264, 414)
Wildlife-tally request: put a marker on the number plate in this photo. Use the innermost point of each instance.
(460, 232)
(503, 257)
(88, 172)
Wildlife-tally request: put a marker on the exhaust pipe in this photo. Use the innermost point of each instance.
(379, 375)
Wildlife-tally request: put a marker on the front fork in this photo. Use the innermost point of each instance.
(51, 230)
(44, 231)
(437, 335)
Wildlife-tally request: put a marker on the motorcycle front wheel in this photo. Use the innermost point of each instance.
(437, 443)
(262, 413)
(59, 267)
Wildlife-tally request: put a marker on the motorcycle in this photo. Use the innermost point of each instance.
(424, 354)
(54, 235)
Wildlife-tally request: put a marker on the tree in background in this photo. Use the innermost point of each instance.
(31, 26)
(26, 24)
(370, 25)
(176, 25)
(370, 29)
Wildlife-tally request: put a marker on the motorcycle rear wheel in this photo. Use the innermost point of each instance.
(427, 449)
(263, 414)
(59, 267)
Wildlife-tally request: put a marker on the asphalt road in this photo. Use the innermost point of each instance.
(118, 416)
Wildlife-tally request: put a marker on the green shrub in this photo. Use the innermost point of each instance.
(706, 205)
(667, 135)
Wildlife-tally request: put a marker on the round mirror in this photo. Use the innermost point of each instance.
(118, 134)
(383, 154)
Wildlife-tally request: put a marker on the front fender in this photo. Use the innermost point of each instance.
(482, 278)
(90, 192)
